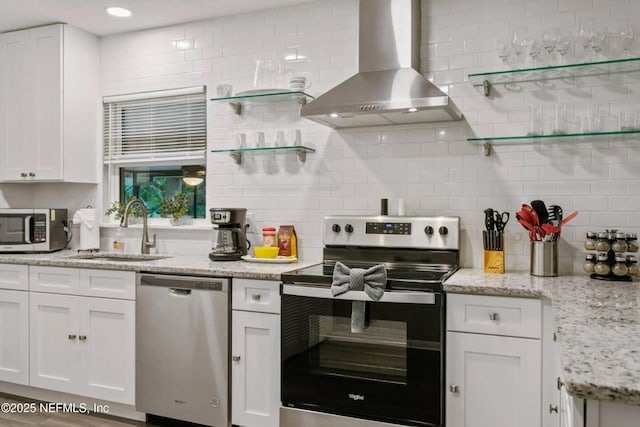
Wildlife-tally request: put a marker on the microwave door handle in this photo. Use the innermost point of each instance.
(27, 229)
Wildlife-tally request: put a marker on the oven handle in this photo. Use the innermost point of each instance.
(393, 296)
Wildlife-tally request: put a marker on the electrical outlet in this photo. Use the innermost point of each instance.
(251, 226)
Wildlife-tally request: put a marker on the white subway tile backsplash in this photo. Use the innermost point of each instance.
(432, 167)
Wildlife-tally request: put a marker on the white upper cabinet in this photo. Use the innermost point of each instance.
(49, 105)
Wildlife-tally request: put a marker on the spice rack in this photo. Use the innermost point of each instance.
(609, 261)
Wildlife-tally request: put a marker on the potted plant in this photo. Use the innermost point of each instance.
(117, 209)
(177, 208)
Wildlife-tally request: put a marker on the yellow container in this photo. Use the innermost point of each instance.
(266, 251)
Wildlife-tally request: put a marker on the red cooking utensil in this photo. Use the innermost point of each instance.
(569, 218)
(525, 224)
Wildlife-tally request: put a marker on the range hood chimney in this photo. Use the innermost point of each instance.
(388, 89)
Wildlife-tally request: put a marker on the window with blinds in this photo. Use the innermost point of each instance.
(156, 127)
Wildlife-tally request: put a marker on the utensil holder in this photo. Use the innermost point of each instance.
(544, 259)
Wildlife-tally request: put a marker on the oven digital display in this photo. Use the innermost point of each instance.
(388, 228)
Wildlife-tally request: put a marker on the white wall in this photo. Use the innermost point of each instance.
(432, 167)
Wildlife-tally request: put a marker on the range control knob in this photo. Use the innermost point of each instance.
(443, 231)
(428, 230)
(348, 228)
(335, 228)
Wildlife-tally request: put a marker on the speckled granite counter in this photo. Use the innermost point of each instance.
(597, 323)
(517, 284)
(174, 264)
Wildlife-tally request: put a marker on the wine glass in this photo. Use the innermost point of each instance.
(626, 40)
(549, 43)
(504, 49)
(518, 43)
(534, 46)
(597, 39)
(563, 45)
(584, 35)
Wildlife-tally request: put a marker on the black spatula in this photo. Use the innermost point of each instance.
(541, 210)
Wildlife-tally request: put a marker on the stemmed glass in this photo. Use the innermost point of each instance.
(597, 38)
(563, 44)
(549, 43)
(626, 40)
(584, 35)
(518, 43)
(503, 47)
(535, 50)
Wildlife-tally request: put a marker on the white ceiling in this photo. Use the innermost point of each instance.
(90, 15)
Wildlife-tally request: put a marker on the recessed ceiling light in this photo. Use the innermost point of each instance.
(334, 115)
(412, 110)
(119, 12)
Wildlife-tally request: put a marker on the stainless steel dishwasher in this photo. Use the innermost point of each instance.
(182, 348)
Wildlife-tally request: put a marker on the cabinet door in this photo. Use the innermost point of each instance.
(107, 346)
(47, 124)
(54, 358)
(492, 381)
(255, 369)
(14, 336)
(16, 107)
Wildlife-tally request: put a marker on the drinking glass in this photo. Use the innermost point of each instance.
(534, 45)
(626, 40)
(504, 49)
(536, 121)
(563, 45)
(549, 42)
(518, 43)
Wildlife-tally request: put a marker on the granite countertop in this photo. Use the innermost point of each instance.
(173, 264)
(597, 324)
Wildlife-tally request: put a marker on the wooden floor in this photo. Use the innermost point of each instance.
(61, 419)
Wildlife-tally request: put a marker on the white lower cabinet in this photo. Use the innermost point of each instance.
(14, 336)
(494, 361)
(255, 359)
(83, 346)
(493, 381)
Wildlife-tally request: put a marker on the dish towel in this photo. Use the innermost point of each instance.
(89, 229)
(372, 281)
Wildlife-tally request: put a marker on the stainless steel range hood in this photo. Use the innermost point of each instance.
(388, 89)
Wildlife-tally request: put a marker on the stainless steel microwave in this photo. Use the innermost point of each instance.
(32, 230)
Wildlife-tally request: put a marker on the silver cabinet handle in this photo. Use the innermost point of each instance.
(23, 174)
(454, 389)
(235, 358)
(82, 337)
(31, 174)
(256, 297)
(494, 316)
(72, 336)
(559, 383)
(553, 409)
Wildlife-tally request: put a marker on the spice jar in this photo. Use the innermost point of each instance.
(269, 236)
(620, 245)
(620, 267)
(590, 263)
(603, 245)
(632, 242)
(590, 243)
(632, 265)
(602, 267)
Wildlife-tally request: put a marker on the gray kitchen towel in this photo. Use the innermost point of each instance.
(372, 281)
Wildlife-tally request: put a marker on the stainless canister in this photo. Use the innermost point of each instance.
(544, 259)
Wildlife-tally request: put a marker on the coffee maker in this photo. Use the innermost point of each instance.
(229, 241)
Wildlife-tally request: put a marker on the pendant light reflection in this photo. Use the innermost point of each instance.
(193, 175)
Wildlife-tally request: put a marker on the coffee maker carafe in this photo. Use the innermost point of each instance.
(229, 241)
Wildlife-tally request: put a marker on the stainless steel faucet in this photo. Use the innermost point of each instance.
(124, 222)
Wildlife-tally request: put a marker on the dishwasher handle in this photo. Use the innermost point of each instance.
(180, 291)
(183, 283)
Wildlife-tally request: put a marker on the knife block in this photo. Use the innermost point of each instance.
(494, 261)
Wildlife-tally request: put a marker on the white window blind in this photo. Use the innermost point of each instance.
(156, 126)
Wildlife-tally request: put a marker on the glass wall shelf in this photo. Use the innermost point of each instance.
(267, 96)
(515, 79)
(238, 153)
(529, 139)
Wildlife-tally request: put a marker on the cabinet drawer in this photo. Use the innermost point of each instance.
(108, 284)
(14, 276)
(516, 317)
(256, 295)
(56, 280)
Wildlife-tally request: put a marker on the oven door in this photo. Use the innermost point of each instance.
(390, 372)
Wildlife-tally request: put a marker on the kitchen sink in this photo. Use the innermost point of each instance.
(119, 257)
